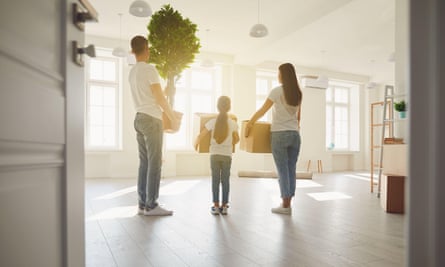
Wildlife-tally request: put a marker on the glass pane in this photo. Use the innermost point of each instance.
(109, 116)
(96, 134)
(96, 116)
(96, 96)
(109, 71)
(329, 95)
(109, 96)
(202, 80)
(96, 70)
(341, 113)
(202, 103)
(181, 82)
(261, 86)
(177, 140)
(341, 95)
(109, 136)
(180, 102)
(275, 83)
(341, 141)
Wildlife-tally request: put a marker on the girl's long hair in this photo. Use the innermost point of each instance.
(291, 88)
(221, 130)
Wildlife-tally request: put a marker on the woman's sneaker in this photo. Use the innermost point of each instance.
(281, 210)
(223, 210)
(214, 210)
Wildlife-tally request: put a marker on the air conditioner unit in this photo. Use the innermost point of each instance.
(318, 82)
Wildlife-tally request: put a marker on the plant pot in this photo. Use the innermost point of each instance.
(402, 114)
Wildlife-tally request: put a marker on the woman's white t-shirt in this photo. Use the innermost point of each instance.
(141, 77)
(284, 116)
(225, 148)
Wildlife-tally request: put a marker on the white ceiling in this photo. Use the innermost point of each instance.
(351, 36)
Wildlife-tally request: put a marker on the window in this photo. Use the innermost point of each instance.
(265, 82)
(196, 91)
(342, 119)
(103, 79)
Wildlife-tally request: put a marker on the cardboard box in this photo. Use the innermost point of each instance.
(392, 193)
(199, 122)
(166, 123)
(258, 140)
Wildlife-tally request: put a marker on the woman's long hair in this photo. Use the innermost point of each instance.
(221, 130)
(291, 88)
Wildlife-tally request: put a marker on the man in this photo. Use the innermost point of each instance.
(149, 102)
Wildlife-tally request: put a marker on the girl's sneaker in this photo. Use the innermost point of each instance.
(214, 210)
(223, 210)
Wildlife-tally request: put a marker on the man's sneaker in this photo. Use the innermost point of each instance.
(214, 210)
(223, 210)
(158, 211)
(282, 210)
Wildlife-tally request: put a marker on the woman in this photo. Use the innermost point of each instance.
(285, 136)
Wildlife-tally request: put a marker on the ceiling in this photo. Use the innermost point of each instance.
(350, 36)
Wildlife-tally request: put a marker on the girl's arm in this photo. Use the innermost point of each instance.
(235, 137)
(203, 133)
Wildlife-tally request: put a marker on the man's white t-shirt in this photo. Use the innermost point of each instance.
(284, 116)
(225, 148)
(141, 77)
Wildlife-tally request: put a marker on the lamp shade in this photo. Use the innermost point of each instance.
(119, 52)
(140, 8)
(258, 30)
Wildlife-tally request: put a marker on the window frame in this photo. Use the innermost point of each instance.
(104, 54)
(188, 119)
(353, 144)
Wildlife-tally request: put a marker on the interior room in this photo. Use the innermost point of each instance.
(368, 176)
(352, 44)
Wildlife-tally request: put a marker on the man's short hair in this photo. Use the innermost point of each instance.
(138, 44)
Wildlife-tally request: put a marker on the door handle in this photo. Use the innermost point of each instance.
(80, 16)
(79, 51)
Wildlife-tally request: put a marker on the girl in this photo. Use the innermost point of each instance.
(285, 136)
(224, 134)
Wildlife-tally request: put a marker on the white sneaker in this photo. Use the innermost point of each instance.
(158, 211)
(281, 210)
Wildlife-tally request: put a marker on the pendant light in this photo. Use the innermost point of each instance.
(119, 51)
(140, 8)
(372, 84)
(207, 62)
(258, 30)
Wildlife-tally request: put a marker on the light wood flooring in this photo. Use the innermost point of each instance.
(336, 221)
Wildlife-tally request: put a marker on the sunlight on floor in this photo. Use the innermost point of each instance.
(328, 196)
(118, 193)
(179, 187)
(114, 213)
(307, 184)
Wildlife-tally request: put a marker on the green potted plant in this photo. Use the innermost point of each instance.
(173, 45)
(401, 108)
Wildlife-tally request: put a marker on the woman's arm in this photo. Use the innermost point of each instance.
(257, 115)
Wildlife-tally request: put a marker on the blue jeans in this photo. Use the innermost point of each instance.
(220, 166)
(149, 136)
(285, 150)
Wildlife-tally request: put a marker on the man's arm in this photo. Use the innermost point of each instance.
(162, 102)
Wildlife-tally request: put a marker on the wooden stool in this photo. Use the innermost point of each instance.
(319, 166)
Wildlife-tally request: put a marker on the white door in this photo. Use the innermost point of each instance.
(41, 136)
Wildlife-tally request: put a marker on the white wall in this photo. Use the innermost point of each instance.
(238, 83)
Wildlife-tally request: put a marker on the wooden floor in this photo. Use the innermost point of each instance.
(336, 221)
